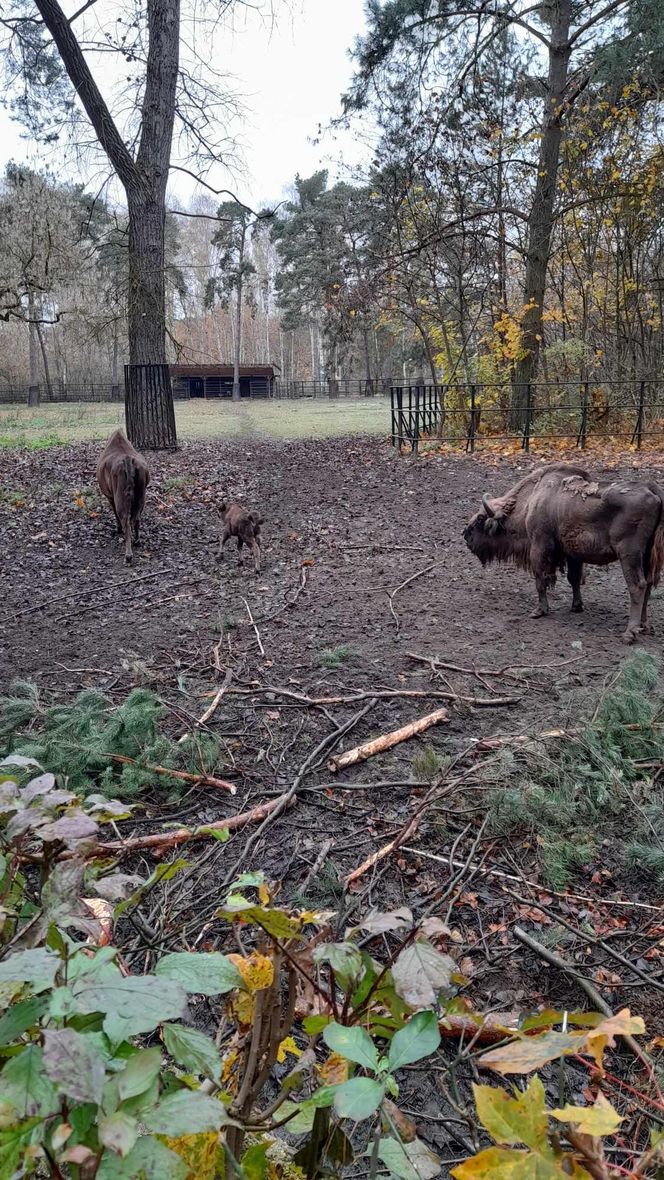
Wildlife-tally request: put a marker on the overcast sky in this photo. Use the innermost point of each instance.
(291, 74)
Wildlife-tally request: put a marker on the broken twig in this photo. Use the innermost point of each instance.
(162, 840)
(256, 631)
(202, 779)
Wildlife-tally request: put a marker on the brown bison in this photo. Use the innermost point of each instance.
(246, 526)
(123, 476)
(556, 519)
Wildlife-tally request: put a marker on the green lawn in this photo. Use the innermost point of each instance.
(49, 425)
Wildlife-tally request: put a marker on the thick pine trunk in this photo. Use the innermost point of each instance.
(237, 353)
(540, 223)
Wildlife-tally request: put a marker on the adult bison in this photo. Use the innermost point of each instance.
(557, 519)
(123, 476)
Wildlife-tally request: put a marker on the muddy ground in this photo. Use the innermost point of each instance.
(359, 522)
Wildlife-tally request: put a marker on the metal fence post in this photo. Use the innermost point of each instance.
(470, 445)
(525, 442)
(583, 428)
(415, 440)
(638, 429)
(392, 414)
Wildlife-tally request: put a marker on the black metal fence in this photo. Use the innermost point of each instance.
(472, 415)
(334, 388)
(106, 391)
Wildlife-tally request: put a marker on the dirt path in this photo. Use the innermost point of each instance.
(360, 522)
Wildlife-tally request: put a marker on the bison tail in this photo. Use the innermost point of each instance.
(656, 557)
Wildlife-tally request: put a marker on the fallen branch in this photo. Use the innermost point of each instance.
(213, 706)
(434, 662)
(589, 988)
(202, 779)
(375, 857)
(29, 610)
(317, 865)
(386, 741)
(256, 631)
(457, 864)
(163, 840)
(378, 693)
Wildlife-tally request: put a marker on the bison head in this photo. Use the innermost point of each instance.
(485, 532)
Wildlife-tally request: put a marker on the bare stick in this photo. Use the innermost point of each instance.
(93, 590)
(590, 990)
(386, 741)
(393, 844)
(257, 632)
(402, 586)
(212, 708)
(382, 693)
(162, 840)
(457, 864)
(317, 865)
(435, 662)
(207, 780)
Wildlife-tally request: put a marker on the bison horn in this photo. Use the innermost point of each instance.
(486, 506)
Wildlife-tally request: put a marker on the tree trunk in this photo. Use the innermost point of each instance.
(33, 344)
(237, 354)
(144, 180)
(150, 417)
(540, 222)
(150, 423)
(115, 360)
(47, 371)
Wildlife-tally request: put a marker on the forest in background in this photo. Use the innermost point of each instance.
(434, 264)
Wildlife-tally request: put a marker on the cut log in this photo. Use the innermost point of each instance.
(386, 741)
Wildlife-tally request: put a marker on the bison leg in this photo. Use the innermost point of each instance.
(240, 543)
(127, 537)
(636, 584)
(542, 564)
(225, 536)
(645, 626)
(256, 550)
(574, 577)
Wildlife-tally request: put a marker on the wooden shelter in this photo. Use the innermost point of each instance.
(217, 380)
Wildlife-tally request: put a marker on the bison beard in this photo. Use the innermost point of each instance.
(557, 520)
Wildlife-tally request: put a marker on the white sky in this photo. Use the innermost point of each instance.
(291, 74)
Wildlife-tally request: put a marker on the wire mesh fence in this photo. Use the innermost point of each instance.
(572, 412)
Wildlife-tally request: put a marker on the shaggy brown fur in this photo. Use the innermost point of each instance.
(123, 476)
(246, 526)
(557, 519)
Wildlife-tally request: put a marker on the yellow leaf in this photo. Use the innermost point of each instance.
(263, 894)
(599, 1119)
(533, 1052)
(622, 1024)
(257, 970)
(242, 1007)
(287, 1046)
(504, 1163)
(228, 1066)
(521, 1119)
(198, 1152)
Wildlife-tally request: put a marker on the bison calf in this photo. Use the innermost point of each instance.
(246, 526)
(123, 476)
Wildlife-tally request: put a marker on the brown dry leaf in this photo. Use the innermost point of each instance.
(405, 1126)
(335, 1070)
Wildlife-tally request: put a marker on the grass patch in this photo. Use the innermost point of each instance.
(593, 786)
(334, 657)
(56, 424)
(426, 765)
